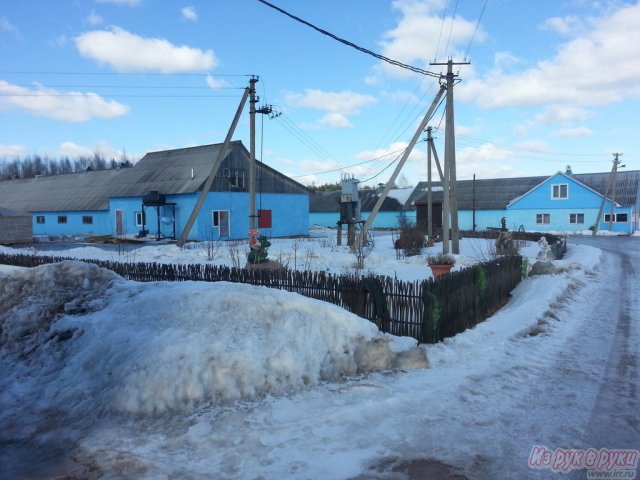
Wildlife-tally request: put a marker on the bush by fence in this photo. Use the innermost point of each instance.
(428, 311)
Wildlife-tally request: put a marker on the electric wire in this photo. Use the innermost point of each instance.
(453, 20)
(475, 30)
(351, 44)
(444, 13)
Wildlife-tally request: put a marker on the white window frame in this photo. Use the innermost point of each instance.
(576, 218)
(215, 221)
(556, 191)
(139, 217)
(543, 217)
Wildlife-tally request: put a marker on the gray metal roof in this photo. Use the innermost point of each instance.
(178, 171)
(496, 193)
(330, 201)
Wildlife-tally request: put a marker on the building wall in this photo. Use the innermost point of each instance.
(289, 215)
(578, 196)
(382, 220)
(74, 225)
(15, 229)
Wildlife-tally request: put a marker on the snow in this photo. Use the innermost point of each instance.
(190, 380)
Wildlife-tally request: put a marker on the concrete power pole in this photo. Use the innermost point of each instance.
(612, 175)
(252, 153)
(450, 167)
(613, 190)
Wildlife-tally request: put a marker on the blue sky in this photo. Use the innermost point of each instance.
(551, 83)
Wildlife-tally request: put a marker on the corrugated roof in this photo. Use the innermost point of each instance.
(178, 171)
(496, 193)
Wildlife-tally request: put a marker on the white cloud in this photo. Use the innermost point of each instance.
(102, 148)
(12, 151)
(574, 132)
(334, 120)
(94, 19)
(598, 68)
(337, 105)
(563, 114)
(7, 27)
(73, 150)
(122, 3)
(189, 13)
(416, 39)
(66, 106)
(485, 161)
(216, 83)
(563, 25)
(127, 52)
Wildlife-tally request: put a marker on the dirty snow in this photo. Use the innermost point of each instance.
(187, 380)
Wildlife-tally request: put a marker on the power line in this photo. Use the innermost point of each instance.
(351, 44)
(116, 95)
(475, 30)
(177, 87)
(444, 13)
(453, 20)
(133, 74)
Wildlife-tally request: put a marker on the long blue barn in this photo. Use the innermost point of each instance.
(157, 195)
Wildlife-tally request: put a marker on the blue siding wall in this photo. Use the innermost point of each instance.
(382, 220)
(289, 214)
(74, 226)
(578, 196)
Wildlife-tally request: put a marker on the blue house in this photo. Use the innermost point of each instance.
(157, 195)
(562, 202)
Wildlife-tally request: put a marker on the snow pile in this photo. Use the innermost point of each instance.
(82, 340)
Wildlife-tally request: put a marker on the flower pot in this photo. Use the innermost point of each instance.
(438, 270)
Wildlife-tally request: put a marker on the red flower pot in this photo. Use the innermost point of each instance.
(438, 270)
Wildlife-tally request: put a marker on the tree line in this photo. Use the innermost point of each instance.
(34, 165)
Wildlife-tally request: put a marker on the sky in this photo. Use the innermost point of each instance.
(550, 83)
(101, 384)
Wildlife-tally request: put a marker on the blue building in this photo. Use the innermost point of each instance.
(157, 195)
(562, 202)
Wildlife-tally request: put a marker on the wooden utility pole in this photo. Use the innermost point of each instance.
(450, 166)
(614, 169)
(214, 169)
(405, 155)
(252, 153)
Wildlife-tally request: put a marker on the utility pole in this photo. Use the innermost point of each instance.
(450, 165)
(403, 159)
(613, 190)
(224, 150)
(252, 154)
(612, 175)
(429, 189)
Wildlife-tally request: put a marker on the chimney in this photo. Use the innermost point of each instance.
(568, 171)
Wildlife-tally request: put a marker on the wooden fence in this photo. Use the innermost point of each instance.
(428, 311)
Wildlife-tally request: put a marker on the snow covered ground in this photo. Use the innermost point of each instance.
(102, 377)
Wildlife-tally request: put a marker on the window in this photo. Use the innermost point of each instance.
(87, 220)
(237, 179)
(576, 218)
(543, 218)
(40, 219)
(220, 219)
(140, 219)
(560, 190)
(617, 217)
(62, 219)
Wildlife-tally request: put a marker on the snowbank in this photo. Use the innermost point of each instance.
(81, 339)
